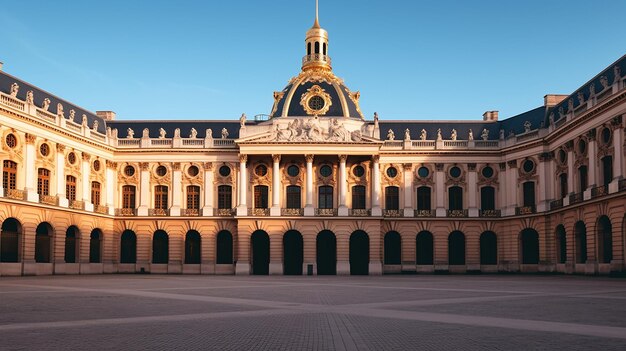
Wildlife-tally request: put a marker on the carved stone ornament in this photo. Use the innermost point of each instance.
(46, 104)
(439, 137)
(604, 81)
(391, 135)
(208, 166)
(592, 89)
(243, 158)
(15, 88)
(30, 97)
(60, 112)
(84, 120)
(276, 158)
(470, 135)
(95, 125)
(407, 135)
(311, 129)
(570, 105)
(176, 166)
(376, 158)
(309, 158)
(316, 92)
(224, 133)
(617, 72)
(144, 166)
(242, 120)
(177, 133)
(86, 156)
(193, 134)
(111, 164)
(527, 126)
(162, 133)
(30, 138)
(60, 147)
(453, 134)
(423, 134)
(146, 133)
(581, 97)
(439, 167)
(485, 134)
(209, 133)
(130, 133)
(512, 163)
(72, 115)
(471, 166)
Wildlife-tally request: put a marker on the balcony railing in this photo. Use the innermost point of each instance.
(15, 194)
(223, 212)
(77, 205)
(393, 213)
(48, 200)
(326, 212)
(101, 209)
(261, 212)
(424, 213)
(157, 212)
(190, 212)
(525, 210)
(292, 212)
(125, 212)
(599, 191)
(489, 213)
(456, 213)
(575, 198)
(556, 204)
(316, 58)
(359, 212)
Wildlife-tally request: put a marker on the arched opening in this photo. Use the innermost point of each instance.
(324, 49)
(488, 248)
(580, 237)
(605, 240)
(160, 247)
(308, 48)
(359, 253)
(192, 247)
(128, 247)
(71, 244)
(561, 244)
(393, 248)
(292, 253)
(43, 243)
(326, 248)
(9, 240)
(456, 248)
(95, 246)
(260, 253)
(224, 248)
(424, 248)
(529, 244)
(317, 47)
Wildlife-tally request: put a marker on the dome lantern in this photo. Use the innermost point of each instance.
(316, 46)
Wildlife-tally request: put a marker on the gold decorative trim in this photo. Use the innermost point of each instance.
(314, 91)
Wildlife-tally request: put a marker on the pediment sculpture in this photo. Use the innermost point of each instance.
(311, 129)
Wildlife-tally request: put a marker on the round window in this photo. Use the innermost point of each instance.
(326, 171)
(224, 171)
(392, 172)
(11, 141)
(293, 171)
(528, 166)
(423, 172)
(562, 156)
(316, 103)
(260, 170)
(606, 135)
(71, 157)
(455, 172)
(358, 171)
(129, 171)
(161, 171)
(487, 172)
(96, 165)
(582, 146)
(193, 171)
(44, 149)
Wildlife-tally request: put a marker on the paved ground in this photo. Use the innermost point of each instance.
(151, 312)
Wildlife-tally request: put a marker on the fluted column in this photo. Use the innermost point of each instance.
(144, 189)
(408, 190)
(30, 180)
(343, 186)
(275, 210)
(309, 210)
(177, 191)
(111, 184)
(242, 209)
(376, 210)
(86, 170)
(60, 170)
(207, 210)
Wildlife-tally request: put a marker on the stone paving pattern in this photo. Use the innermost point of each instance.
(152, 312)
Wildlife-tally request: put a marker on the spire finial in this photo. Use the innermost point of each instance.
(317, 13)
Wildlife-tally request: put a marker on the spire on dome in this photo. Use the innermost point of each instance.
(316, 45)
(316, 24)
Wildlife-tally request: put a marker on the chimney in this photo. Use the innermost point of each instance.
(106, 115)
(552, 100)
(490, 116)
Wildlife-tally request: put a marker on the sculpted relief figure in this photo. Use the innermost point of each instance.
(337, 132)
(130, 133)
(391, 135)
(30, 97)
(375, 120)
(423, 134)
(14, 89)
(453, 134)
(224, 133)
(581, 97)
(162, 133)
(146, 133)
(193, 134)
(617, 72)
(592, 89)
(501, 134)
(604, 80)
(485, 134)
(570, 105)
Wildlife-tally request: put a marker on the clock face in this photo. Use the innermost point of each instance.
(316, 103)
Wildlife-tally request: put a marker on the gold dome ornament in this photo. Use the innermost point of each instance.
(316, 46)
(316, 101)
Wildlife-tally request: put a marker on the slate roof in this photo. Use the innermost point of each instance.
(336, 109)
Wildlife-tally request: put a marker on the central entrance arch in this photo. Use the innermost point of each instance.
(260, 253)
(292, 253)
(326, 253)
(359, 253)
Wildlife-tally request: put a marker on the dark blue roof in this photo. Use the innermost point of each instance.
(6, 80)
(185, 128)
(336, 109)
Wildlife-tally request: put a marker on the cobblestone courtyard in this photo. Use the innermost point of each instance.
(152, 312)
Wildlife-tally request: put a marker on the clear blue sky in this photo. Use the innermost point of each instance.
(216, 59)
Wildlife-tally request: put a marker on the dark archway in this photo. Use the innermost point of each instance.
(9, 240)
(224, 248)
(326, 253)
(260, 253)
(71, 244)
(580, 239)
(293, 258)
(424, 248)
(393, 248)
(561, 244)
(128, 247)
(529, 245)
(456, 248)
(359, 253)
(605, 240)
(192, 247)
(43, 243)
(95, 246)
(488, 248)
(160, 247)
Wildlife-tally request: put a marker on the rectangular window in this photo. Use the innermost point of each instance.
(358, 197)
(423, 198)
(261, 196)
(392, 198)
(70, 187)
(294, 199)
(455, 198)
(224, 197)
(43, 181)
(193, 197)
(128, 196)
(487, 198)
(160, 197)
(325, 197)
(95, 193)
(9, 175)
(529, 194)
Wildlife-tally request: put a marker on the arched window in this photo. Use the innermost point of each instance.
(392, 198)
(128, 196)
(393, 248)
(488, 248)
(71, 244)
(70, 188)
(455, 198)
(9, 240)
(43, 181)
(294, 196)
(95, 193)
(563, 184)
(308, 48)
(192, 247)
(261, 196)
(582, 178)
(224, 197)
(224, 247)
(605, 240)
(160, 247)
(487, 198)
(95, 246)
(160, 197)
(9, 175)
(456, 248)
(529, 244)
(128, 247)
(423, 198)
(324, 48)
(580, 237)
(358, 197)
(325, 198)
(193, 197)
(561, 244)
(43, 243)
(317, 47)
(424, 248)
(529, 194)
(607, 170)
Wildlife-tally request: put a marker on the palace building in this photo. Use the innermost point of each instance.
(316, 187)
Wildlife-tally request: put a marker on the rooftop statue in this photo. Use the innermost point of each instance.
(193, 134)
(130, 133)
(485, 134)
(391, 135)
(470, 135)
(453, 135)
(162, 133)
(224, 133)
(423, 134)
(15, 88)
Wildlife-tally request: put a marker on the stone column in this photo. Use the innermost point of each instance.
(30, 180)
(440, 210)
(543, 186)
(60, 170)
(618, 155)
(207, 210)
(376, 210)
(570, 167)
(309, 210)
(592, 170)
(472, 189)
(242, 209)
(111, 185)
(343, 186)
(503, 188)
(86, 171)
(144, 189)
(512, 188)
(408, 190)
(275, 210)
(177, 191)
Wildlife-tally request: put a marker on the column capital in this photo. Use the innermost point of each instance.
(407, 166)
(376, 158)
(111, 164)
(343, 158)
(439, 167)
(176, 166)
(616, 123)
(471, 166)
(502, 166)
(30, 138)
(60, 147)
(276, 158)
(512, 163)
(86, 156)
(243, 158)
(546, 156)
(591, 135)
(309, 158)
(144, 166)
(208, 166)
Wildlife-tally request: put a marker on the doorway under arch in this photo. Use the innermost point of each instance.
(326, 253)
(293, 253)
(260, 253)
(359, 253)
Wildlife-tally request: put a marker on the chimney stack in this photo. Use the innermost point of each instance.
(106, 115)
(552, 100)
(490, 116)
